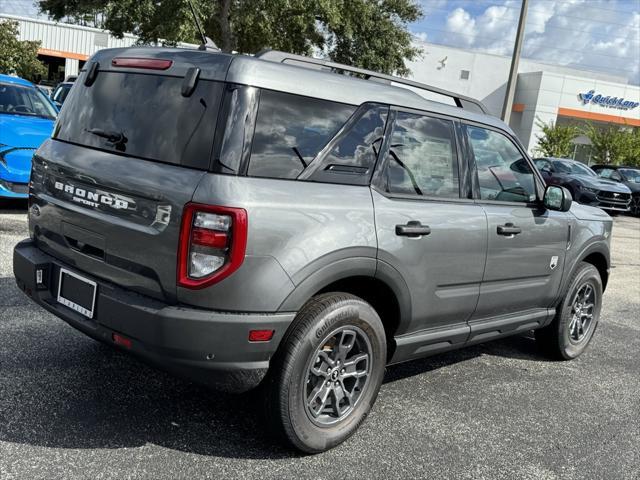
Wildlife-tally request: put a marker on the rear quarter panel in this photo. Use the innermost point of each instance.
(296, 229)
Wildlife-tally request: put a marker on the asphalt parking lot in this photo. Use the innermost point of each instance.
(73, 408)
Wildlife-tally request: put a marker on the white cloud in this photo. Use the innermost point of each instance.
(591, 34)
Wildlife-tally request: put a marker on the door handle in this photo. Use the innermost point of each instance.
(412, 229)
(508, 229)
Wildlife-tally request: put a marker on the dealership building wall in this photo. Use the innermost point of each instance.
(545, 93)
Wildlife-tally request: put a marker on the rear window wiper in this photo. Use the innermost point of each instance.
(116, 139)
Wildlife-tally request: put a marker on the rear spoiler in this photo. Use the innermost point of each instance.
(460, 101)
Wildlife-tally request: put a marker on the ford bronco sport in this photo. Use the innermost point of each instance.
(271, 221)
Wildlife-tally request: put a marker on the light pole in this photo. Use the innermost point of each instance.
(515, 59)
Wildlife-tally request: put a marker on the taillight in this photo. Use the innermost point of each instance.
(212, 244)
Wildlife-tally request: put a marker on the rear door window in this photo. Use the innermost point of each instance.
(422, 157)
(143, 116)
(290, 132)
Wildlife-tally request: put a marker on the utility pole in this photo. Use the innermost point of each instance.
(515, 60)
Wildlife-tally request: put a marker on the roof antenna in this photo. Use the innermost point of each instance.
(207, 43)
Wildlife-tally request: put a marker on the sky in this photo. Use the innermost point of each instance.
(601, 35)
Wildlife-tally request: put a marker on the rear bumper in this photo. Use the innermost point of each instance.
(207, 346)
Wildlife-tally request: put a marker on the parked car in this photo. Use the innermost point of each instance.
(60, 93)
(249, 222)
(629, 176)
(26, 120)
(583, 183)
(46, 89)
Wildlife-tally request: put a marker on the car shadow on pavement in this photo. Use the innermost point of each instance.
(60, 389)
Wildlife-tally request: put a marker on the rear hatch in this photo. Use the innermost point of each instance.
(131, 144)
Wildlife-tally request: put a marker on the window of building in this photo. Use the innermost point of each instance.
(464, 74)
(290, 131)
(503, 173)
(422, 157)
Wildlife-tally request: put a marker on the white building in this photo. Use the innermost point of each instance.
(64, 47)
(547, 93)
(543, 92)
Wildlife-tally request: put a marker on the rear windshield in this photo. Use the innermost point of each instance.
(143, 116)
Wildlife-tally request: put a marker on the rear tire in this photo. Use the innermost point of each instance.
(576, 317)
(327, 373)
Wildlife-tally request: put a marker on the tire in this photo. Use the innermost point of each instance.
(634, 208)
(568, 335)
(307, 361)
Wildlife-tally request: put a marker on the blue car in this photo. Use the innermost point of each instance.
(26, 120)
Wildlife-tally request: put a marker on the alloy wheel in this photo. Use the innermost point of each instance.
(582, 310)
(337, 375)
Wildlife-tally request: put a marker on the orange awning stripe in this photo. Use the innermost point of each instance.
(601, 117)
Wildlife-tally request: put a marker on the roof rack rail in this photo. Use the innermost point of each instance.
(461, 101)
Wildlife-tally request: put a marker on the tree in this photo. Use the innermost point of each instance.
(556, 140)
(370, 34)
(18, 57)
(610, 145)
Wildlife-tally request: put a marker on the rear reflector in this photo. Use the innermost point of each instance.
(148, 63)
(209, 238)
(120, 340)
(260, 335)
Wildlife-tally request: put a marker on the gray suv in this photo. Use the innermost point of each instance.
(272, 222)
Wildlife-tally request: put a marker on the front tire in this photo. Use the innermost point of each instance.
(634, 208)
(327, 373)
(576, 318)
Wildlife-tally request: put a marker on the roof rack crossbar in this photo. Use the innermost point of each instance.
(282, 57)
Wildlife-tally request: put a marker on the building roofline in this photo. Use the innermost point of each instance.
(61, 24)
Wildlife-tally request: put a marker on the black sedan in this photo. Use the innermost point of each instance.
(629, 176)
(583, 183)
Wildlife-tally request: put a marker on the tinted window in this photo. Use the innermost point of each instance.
(290, 131)
(353, 157)
(544, 164)
(61, 93)
(503, 173)
(573, 168)
(605, 172)
(631, 175)
(148, 113)
(23, 100)
(422, 158)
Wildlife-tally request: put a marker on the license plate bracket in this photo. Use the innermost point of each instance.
(77, 292)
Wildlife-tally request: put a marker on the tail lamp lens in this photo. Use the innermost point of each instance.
(212, 244)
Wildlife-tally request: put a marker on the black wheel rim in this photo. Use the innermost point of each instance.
(582, 312)
(337, 375)
(635, 205)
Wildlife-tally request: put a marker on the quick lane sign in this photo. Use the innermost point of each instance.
(607, 101)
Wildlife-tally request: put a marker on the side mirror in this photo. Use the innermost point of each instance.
(557, 198)
(616, 177)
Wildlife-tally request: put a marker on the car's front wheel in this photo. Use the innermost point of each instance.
(327, 373)
(576, 317)
(634, 207)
